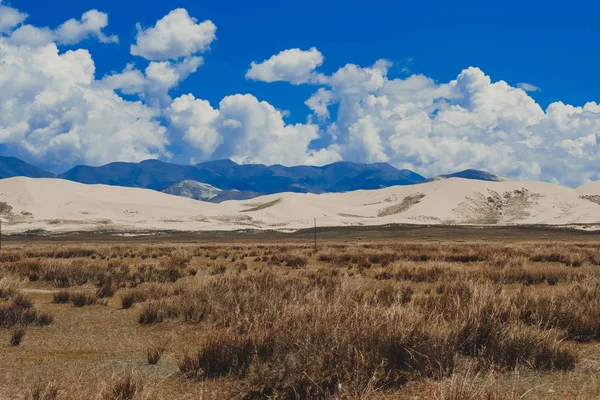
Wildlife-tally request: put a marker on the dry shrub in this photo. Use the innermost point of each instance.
(473, 385)
(125, 388)
(43, 391)
(154, 312)
(61, 297)
(105, 291)
(529, 276)
(19, 310)
(44, 319)
(390, 294)
(127, 301)
(153, 274)
(11, 256)
(416, 272)
(151, 291)
(506, 260)
(81, 299)
(383, 258)
(383, 276)
(293, 259)
(72, 252)
(154, 354)
(17, 337)
(522, 345)
(218, 269)
(342, 256)
(241, 267)
(179, 259)
(8, 288)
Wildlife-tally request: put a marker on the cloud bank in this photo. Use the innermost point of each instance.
(53, 108)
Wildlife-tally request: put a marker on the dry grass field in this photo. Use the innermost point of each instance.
(387, 318)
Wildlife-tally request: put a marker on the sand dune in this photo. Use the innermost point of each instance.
(56, 205)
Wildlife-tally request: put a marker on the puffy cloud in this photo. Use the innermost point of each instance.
(196, 119)
(10, 17)
(294, 65)
(246, 130)
(365, 142)
(352, 79)
(174, 36)
(528, 87)
(70, 32)
(52, 110)
(154, 84)
(91, 25)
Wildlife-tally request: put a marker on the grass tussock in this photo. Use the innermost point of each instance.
(81, 299)
(18, 310)
(154, 354)
(43, 391)
(16, 337)
(472, 384)
(61, 297)
(126, 388)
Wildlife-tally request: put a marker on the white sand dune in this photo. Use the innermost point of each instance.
(57, 205)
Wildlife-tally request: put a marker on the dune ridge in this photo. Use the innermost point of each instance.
(55, 205)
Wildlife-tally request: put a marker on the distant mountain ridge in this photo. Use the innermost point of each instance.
(222, 180)
(11, 166)
(227, 175)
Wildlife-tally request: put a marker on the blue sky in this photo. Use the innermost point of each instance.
(551, 46)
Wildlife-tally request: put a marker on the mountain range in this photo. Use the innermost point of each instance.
(221, 180)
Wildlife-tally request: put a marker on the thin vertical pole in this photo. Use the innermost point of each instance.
(0, 234)
(315, 233)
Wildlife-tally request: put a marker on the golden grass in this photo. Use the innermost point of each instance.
(441, 320)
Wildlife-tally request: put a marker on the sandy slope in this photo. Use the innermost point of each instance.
(60, 205)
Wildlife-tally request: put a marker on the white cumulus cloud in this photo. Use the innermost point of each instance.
(152, 85)
(73, 31)
(174, 36)
(91, 25)
(294, 65)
